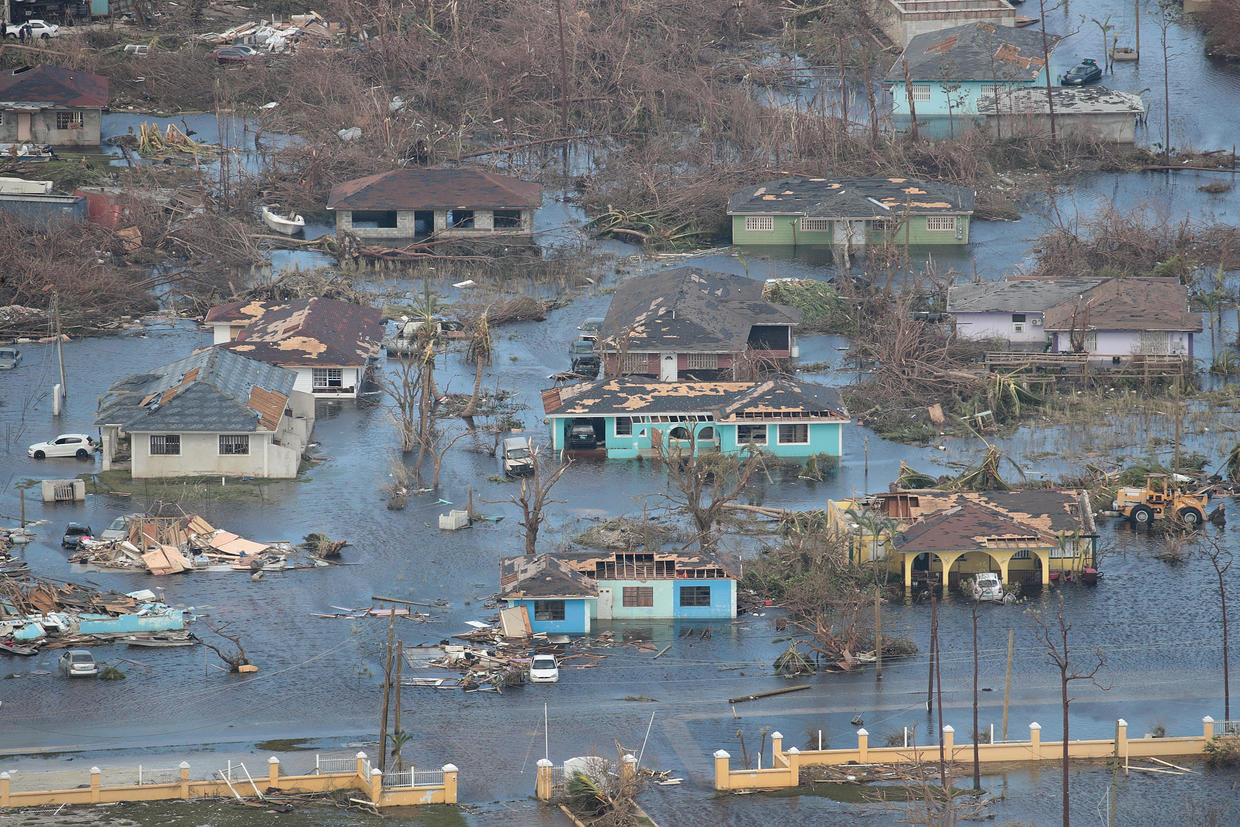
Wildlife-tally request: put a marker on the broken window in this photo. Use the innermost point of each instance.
(638, 597)
(168, 445)
(548, 610)
(234, 444)
(751, 434)
(695, 595)
(461, 219)
(328, 378)
(68, 120)
(635, 363)
(507, 219)
(793, 433)
(423, 222)
(770, 337)
(374, 219)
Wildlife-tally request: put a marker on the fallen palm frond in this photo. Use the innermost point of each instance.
(153, 142)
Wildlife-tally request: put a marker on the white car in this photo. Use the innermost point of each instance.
(544, 669)
(78, 663)
(38, 29)
(65, 445)
(988, 586)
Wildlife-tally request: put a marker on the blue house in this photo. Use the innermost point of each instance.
(632, 418)
(564, 593)
(950, 69)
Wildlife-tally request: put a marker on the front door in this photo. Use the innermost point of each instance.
(667, 367)
(23, 126)
(604, 603)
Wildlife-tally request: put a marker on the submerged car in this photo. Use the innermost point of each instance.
(65, 445)
(78, 663)
(988, 586)
(518, 456)
(1087, 71)
(544, 669)
(581, 436)
(118, 529)
(590, 328)
(74, 532)
(585, 360)
(10, 357)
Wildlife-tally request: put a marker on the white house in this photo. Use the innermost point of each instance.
(1124, 317)
(210, 414)
(1012, 310)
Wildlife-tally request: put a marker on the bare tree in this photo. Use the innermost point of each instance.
(534, 498)
(1166, 15)
(1220, 558)
(235, 660)
(437, 444)
(404, 388)
(705, 483)
(1052, 633)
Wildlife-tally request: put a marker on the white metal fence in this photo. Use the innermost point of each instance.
(330, 766)
(158, 775)
(413, 778)
(1231, 727)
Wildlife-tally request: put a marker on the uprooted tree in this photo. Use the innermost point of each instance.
(235, 660)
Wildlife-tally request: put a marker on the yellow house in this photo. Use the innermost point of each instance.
(939, 537)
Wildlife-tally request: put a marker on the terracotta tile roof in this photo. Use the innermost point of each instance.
(308, 333)
(51, 84)
(1127, 303)
(434, 189)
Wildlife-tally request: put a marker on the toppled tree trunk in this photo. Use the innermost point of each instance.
(234, 660)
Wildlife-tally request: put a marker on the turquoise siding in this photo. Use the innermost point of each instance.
(722, 600)
(963, 99)
(576, 616)
(667, 600)
(156, 621)
(824, 438)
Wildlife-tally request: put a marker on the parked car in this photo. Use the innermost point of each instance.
(585, 359)
(544, 669)
(38, 28)
(10, 357)
(518, 456)
(65, 445)
(581, 436)
(1087, 71)
(988, 586)
(234, 54)
(118, 529)
(78, 663)
(590, 328)
(74, 532)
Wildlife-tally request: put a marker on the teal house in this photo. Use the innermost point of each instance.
(850, 213)
(950, 69)
(629, 418)
(565, 593)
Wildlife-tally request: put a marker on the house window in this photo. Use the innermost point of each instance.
(921, 92)
(624, 426)
(461, 219)
(507, 219)
(1018, 318)
(706, 435)
(373, 219)
(548, 610)
(679, 432)
(759, 223)
(328, 378)
(167, 445)
(816, 225)
(702, 361)
(635, 363)
(234, 444)
(695, 595)
(1155, 342)
(751, 434)
(68, 120)
(794, 433)
(1023, 554)
(941, 223)
(637, 597)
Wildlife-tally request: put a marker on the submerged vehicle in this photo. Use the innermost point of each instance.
(518, 456)
(1087, 71)
(1158, 500)
(10, 357)
(585, 360)
(78, 663)
(987, 586)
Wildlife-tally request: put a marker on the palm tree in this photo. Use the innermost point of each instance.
(478, 353)
(399, 738)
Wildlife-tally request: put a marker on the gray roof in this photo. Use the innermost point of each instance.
(978, 51)
(1069, 100)
(780, 397)
(851, 198)
(689, 309)
(213, 390)
(1015, 295)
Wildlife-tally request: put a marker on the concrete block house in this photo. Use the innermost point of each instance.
(214, 413)
(1091, 113)
(850, 213)
(690, 323)
(1013, 311)
(632, 418)
(417, 204)
(51, 105)
(902, 20)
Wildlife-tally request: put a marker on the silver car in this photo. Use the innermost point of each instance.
(78, 663)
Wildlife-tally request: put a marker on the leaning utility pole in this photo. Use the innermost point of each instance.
(387, 692)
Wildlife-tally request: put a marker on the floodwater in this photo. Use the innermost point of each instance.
(1157, 625)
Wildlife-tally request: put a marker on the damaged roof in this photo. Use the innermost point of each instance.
(1058, 511)
(688, 309)
(310, 333)
(1069, 100)
(851, 198)
(1127, 303)
(54, 85)
(541, 577)
(434, 189)
(242, 311)
(1015, 295)
(977, 51)
(968, 526)
(781, 397)
(213, 390)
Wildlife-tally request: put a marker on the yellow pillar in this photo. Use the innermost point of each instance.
(450, 773)
(794, 766)
(1004, 562)
(1207, 724)
(628, 768)
(184, 767)
(722, 779)
(4, 789)
(777, 746)
(273, 772)
(949, 742)
(947, 559)
(1035, 740)
(376, 785)
(908, 570)
(542, 784)
(863, 745)
(95, 784)
(1045, 557)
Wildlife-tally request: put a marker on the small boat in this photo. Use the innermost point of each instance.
(291, 225)
(161, 641)
(1122, 54)
(1024, 20)
(12, 647)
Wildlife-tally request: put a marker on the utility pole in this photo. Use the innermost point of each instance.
(938, 690)
(400, 656)
(977, 760)
(934, 630)
(1007, 682)
(60, 354)
(387, 692)
(1136, 13)
(878, 635)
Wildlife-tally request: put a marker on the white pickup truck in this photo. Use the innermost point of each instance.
(38, 28)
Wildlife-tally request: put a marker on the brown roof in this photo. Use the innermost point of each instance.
(434, 189)
(970, 526)
(243, 311)
(311, 332)
(1127, 303)
(51, 84)
(1046, 509)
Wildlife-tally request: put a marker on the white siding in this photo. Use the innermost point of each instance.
(1000, 326)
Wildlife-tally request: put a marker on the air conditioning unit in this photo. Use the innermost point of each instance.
(1036, 321)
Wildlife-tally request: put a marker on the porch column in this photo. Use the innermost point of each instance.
(1004, 562)
(947, 559)
(908, 570)
(1044, 557)
(450, 781)
(722, 779)
(1207, 725)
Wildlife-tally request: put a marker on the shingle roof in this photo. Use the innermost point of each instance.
(310, 332)
(212, 390)
(543, 576)
(689, 309)
(1014, 295)
(970, 526)
(242, 311)
(727, 401)
(977, 51)
(1127, 303)
(433, 189)
(1061, 512)
(851, 198)
(51, 84)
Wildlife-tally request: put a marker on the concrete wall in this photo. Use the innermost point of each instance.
(1125, 343)
(788, 232)
(484, 226)
(1000, 326)
(40, 128)
(577, 614)
(200, 456)
(902, 24)
(1111, 127)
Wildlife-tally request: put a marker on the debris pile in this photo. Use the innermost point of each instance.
(57, 614)
(280, 37)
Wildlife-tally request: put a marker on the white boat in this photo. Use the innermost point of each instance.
(285, 226)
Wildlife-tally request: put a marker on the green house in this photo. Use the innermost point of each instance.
(850, 213)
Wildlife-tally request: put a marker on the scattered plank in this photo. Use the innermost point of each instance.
(768, 693)
(662, 652)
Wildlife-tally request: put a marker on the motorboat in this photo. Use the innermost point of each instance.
(284, 225)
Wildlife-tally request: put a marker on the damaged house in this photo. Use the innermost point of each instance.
(690, 323)
(50, 105)
(850, 213)
(564, 593)
(214, 413)
(417, 204)
(630, 418)
(329, 345)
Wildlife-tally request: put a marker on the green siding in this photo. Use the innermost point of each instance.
(787, 233)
